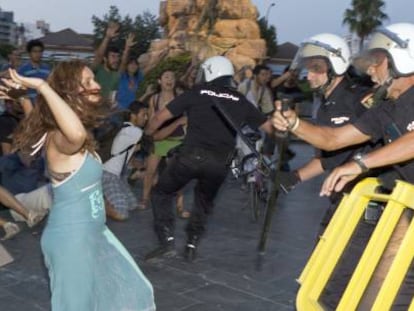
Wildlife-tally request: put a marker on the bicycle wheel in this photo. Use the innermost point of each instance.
(253, 201)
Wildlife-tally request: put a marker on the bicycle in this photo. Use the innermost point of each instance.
(255, 170)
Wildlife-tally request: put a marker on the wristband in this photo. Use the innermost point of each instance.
(295, 125)
(359, 159)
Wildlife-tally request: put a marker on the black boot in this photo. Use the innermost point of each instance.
(190, 251)
(166, 249)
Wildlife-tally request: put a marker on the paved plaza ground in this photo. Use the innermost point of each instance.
(224, 277)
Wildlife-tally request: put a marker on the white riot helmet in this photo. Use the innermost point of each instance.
(215, 67)
(328, 46)
(398, 41)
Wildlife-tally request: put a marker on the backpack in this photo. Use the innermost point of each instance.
(105, 136)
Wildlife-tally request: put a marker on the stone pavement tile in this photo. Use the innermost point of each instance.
(272, 266)
(199, 266)
(13, 303)
(34, 289)
(241, 282)
(171, 279)
(254, 306)
(4, 292)
(9, 276)
(167, 300)
(219, 297)
(285, 296)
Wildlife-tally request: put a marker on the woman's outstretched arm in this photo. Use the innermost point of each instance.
(72, 134)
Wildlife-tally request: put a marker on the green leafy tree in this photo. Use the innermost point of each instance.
(144, 26)
(364, 17)
(268, 33)
(5, 50)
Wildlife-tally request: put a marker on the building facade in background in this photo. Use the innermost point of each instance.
(67, 44)
(10, 31)
(60, 45)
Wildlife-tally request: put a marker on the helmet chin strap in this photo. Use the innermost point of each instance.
(381, 92)
(321, 91)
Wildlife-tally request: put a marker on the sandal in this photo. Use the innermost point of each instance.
(113, 214)
(11, 230)
(143, 204)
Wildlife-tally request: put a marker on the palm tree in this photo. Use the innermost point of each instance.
(364, 17)
(268, 33)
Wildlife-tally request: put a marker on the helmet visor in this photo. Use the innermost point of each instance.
(376, 51)
(367, 59)
(386, 39)
(317, 48)
(314, 56)
(316, 64)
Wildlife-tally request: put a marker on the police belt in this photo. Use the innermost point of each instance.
(219, 155)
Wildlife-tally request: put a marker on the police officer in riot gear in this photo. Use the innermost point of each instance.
(205, 154)
(326, 57)
(389, 60)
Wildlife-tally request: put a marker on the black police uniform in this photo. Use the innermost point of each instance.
(383, 123)
(342, 106)
(204, 155)
(388, 121)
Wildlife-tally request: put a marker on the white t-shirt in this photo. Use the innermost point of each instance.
(262, 97)
(127, 136)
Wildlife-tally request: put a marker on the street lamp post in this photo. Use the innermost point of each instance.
(268, 11)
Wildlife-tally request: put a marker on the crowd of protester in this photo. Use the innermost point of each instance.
(120, 78)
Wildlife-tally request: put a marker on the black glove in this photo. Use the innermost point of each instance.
(288, 180)
(147, 144)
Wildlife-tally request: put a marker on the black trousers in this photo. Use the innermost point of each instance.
(209, 168)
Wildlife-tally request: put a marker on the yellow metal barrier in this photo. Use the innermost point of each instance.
(337, 236)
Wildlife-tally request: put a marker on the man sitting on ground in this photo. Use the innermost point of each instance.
(119, 199)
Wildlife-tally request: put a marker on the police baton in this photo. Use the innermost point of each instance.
(271, 203)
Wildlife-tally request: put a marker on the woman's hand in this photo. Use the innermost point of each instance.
(339, 177)
(17, 81)
(4, 92)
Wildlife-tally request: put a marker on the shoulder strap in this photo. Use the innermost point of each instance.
(123, 151)
(124, 164)
(157, 102)
(39, 145)
(259, 101)
(127, 148)
(248, 86)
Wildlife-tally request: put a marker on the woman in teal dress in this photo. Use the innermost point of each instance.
(89, 269)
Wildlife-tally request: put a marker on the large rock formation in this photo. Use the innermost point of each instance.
(206, 28)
